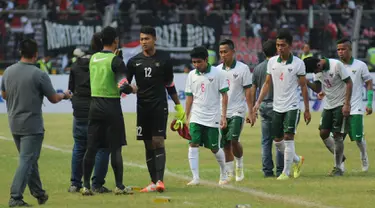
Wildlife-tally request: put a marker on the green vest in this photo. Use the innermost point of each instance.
(102, 78)
(211, 57)
(371, 58)
(303, 56)
(46, 67)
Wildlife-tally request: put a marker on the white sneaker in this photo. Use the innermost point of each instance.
(239, 174)
(365, 164)
(193, 182)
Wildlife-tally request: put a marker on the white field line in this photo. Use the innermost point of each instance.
(261, 194)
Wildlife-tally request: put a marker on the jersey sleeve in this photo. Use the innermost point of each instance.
(269, 66)
(168, 79)
(224, 83)
(130, 70)
(343, 72)
(188, 87)
(301, 71)
(366, 76)
(3, 82)
(46, 85)
(246, 78)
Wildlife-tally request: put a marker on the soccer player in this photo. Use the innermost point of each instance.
(337, 85)
(266, 112)
(153, 73)
(287, 73)
(360, 76)
(239, 80)
(205, 85)
(106, 123)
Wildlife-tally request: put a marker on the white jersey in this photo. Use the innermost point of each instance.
(333, 85)
(239, 78)
(285, 75)
(359, 73)
(206, 90)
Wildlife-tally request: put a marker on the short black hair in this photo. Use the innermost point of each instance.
(96, 42)
(344, 40)
(199, 52)
(269, 48)
(311, 64)
(28, 48)
(109, 34)
(148, 30)
(227, 42)
(284, 34)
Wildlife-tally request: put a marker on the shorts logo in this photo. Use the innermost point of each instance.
(211, 79)
(214, 145)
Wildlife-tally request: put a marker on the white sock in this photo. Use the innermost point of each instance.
(288, 156)
(229, 167)
(194, 161)
(239, 162)
(330, 144)
(220, 157)
(362, 147)
(339, 151)
(280, 146)
(296, 158)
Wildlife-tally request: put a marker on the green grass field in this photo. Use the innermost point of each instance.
(312, 189)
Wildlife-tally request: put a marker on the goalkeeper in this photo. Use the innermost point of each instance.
(153, 74)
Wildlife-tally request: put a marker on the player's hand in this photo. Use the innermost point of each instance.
(68, 95)
(223, 122)
(346, 110)
(320, 95)
(251, 119)
(368, 110)
(256, 107)
(307, 117)
(180, 113)
(135, 88)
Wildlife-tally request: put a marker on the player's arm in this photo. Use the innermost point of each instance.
(49, 91)
(189, 97)
(119, 68)
(130, 71)
(3, 92)
(367, 78)
(71, 85)
(305, 94)
(263, 92)
(315, 86)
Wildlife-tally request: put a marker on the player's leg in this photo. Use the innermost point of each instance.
(291, 159)
(196, 132)
(356, 134)
(339, 128)
(277, 132)
(159, 127)
(236, 128)
(96, 132)
(211, 140)
(226, 141)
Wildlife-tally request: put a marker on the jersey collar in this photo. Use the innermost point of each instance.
(21, 62)
(207, 70)
(106, 51)
(231, 66)
(289, 61)
(326, 65)
(351, 60)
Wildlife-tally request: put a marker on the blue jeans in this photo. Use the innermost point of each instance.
(266, 111)
(80, 128)
(29, 147)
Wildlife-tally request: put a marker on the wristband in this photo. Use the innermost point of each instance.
(370, 94)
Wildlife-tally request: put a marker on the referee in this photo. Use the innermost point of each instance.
(24, 86)
(106, 123)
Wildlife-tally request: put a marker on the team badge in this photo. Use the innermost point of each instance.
(157, 64)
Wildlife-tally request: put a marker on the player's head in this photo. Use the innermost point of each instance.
(96, 42)
(147, 38)
(269, 48)
(29, 49)
(313, 65)
(109, 37)
(284, 42)
(199, 58)
(344, 49)
(226, 50)
(306, 48)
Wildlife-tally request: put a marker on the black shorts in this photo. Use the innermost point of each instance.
(106, 133)
(151, 121)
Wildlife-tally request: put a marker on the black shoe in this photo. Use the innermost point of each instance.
(74, 189)
(42, 199)
(18, 203)
(101, 190)
(336, 172)
(269, 175)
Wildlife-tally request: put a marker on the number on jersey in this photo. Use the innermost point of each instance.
(202, 87)
(282, 76)
(148, 71)
(139, 131)
(328, 83)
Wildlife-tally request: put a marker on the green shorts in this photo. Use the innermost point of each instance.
(356, 127)
(286, 122)
(334, 120)
(209, 137)
(233, 130)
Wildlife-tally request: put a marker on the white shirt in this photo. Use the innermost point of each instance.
(239, 78)
(332, 83)
(360, 75)
(286, 96)
(206, 90)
